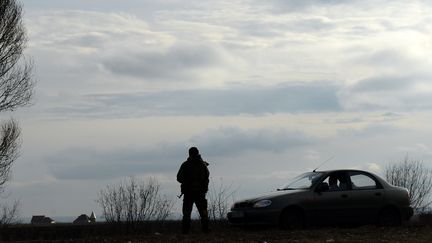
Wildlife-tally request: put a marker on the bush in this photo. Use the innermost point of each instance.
(9, 214)
(416, 177)
(133, 201)
(219, 196)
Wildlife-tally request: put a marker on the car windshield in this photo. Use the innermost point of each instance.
(303, 181)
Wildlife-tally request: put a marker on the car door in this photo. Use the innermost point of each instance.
(367, 196)
(331, 206)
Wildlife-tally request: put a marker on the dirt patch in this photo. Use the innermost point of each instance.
(226, 233)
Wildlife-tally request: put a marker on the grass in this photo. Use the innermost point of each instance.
(170, 232)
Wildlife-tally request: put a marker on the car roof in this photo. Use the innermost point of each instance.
(343, 170)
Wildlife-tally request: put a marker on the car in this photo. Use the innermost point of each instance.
(327, 197)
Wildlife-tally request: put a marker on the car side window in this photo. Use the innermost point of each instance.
(336, 182)
(361, 181)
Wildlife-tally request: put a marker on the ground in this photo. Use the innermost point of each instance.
(232, 234)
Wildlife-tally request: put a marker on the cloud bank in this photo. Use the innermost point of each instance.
(88, 163)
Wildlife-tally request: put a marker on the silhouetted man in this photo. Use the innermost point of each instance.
(194, 178)
(333, 186)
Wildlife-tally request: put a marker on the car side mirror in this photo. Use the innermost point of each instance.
(322, 187)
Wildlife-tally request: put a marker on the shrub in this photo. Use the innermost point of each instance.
(133, 201)
(219, 196)
(416, 177)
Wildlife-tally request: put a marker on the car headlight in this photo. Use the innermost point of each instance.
(262, 204)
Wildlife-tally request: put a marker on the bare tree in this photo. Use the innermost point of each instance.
(9, 149)
(9, 214)
(16, 90)
(220, 198)
(16, 83)
(133, 201)
(416, 177)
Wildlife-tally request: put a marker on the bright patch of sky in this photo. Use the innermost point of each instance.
(266, 90)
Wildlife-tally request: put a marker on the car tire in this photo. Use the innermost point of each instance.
(389, 217)
(292, 219)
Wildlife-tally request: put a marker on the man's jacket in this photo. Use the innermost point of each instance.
(194, 175)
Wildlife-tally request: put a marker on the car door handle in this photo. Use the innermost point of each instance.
(377, 194)
(344, 196)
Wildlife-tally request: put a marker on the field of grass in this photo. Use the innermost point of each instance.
(226, 233)
(358, 234)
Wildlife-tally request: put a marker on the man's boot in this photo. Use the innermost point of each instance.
(186, 224)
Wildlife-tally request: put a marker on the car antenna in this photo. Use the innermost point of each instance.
(327, 160)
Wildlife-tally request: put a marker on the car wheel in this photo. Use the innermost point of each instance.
(389, 217)
(292, 219)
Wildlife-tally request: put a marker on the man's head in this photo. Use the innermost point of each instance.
(332, 180)
(193, 152)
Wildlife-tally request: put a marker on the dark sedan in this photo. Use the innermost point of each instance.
(322, 197)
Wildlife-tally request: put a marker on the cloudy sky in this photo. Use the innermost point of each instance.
(265, 89)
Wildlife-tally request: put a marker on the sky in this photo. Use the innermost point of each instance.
(265, 89)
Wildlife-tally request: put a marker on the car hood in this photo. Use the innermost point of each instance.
(271, 195)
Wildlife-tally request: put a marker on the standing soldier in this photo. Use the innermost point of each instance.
(194, 178)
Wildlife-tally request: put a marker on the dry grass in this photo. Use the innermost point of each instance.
(226, 233)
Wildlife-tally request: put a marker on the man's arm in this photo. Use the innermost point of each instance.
(180, 174)
(207, 172)
(207, 175)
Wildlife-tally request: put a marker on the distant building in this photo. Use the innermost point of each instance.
(82, 219)
(41, 220)
(92, 217)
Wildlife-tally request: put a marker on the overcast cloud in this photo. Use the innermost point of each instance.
(90, 163)
(170, 65)
(288, 98)
(266, 90)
